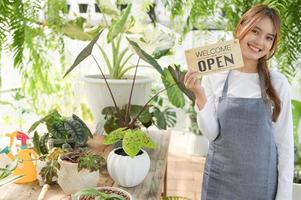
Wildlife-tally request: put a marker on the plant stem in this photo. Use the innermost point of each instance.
(107, 84)
(135, 119)
(131, 94)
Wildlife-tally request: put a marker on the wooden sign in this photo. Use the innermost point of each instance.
(215, 58)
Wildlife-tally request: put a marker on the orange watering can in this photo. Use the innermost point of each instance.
(26, 166)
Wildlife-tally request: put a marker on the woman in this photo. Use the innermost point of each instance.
(246, 115)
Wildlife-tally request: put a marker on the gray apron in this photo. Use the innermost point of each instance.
(242, 161)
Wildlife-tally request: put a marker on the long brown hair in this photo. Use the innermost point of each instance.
(246, 24)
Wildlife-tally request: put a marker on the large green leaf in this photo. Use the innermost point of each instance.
(132, 142)
(85, 127)
(174, 93)
(76, 130)
(57, 129)
(145, 117)
(115, 136)
(36, 142)
(146, 140)
(75, 29)
(83, 54)
(106, 7)
(178, 77)
(145, 56)
(119, 26)
(160, 119)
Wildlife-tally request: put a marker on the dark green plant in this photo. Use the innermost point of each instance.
(151, 115)
(85, 159)
(68, 130)
(94, 192)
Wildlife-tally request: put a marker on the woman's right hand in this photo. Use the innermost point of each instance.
(192, 82)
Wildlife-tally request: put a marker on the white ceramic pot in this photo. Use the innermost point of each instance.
(99, 97)
(197, 145)
(127, 171)
(296, 191)
(72, 181)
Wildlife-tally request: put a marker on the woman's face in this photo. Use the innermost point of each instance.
(259, 40)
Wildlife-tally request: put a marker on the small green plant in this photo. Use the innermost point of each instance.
(52, 166)
(67, 131)
(93, 192)
(132, 140)
(85, 159)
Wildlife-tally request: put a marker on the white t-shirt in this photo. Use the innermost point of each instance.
(246, 85)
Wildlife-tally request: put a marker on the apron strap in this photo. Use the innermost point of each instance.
(225, 89)
(261, 83)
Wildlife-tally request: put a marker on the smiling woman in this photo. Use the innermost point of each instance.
(246, 115)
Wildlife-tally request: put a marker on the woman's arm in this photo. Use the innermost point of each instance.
(204, 104)
(285, 143)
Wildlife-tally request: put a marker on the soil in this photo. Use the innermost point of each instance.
(107, 191)
(122, 153)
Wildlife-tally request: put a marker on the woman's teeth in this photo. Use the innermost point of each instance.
(254, 48)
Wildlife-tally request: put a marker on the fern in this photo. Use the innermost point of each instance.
(30, 45)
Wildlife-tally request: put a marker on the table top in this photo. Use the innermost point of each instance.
(149, 189)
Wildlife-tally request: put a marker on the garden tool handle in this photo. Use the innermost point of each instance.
(43, 192)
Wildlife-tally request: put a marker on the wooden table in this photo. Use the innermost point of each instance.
(149, 189)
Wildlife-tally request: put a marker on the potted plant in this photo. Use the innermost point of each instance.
(79, 169)
(61, 130)
(296, 106)
(115, 25)
(151, 115)
(104, 193)
(197, 143)
(64, 132)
